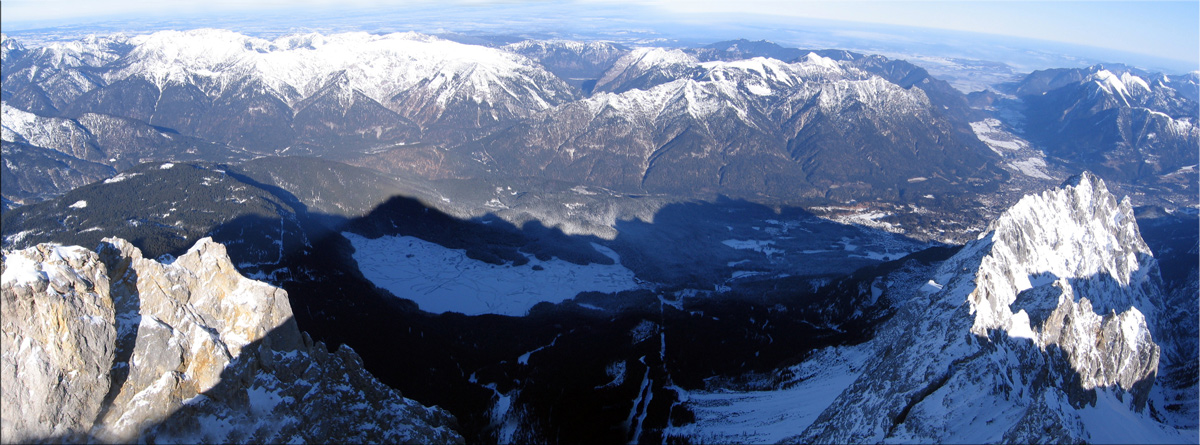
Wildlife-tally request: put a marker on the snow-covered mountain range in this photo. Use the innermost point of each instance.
(1123, 122)
(186, 80)
(693, 122)
(663, 121)
(753, 120)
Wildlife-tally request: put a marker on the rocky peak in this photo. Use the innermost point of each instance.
(1079, 232)
(1052, 310)
(1068, 268)
(9, 47)
(187, 350)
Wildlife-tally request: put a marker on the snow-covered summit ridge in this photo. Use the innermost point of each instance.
(9, 46)
(296, 66)
(549, 45)
(644, 68)
(1122, 85)
(664, 78)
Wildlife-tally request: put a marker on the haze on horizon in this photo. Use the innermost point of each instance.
(1162, 29)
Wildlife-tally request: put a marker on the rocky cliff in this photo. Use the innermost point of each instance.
(109, 346)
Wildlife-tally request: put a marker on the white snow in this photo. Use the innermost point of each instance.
(442, 280)
(19, 270)
(641, 405)
(1019, 326)
(761, 246)
(505, 424)
(931, 287)
(296, 66)
(1111, 421)
(642, 331)
(60, 134)
(1128, 79)
(166, 166)
(616, 371)
(78, 204)
(771, 416)
(759, 89)
(824, 62)
(991, 132)
(120, 177)
(262, 401)
(17, 121)
(524, 358)
(1109, 82)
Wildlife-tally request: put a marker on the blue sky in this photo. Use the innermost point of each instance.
(1167, 29)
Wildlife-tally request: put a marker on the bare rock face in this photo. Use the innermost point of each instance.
(57, 338)
(130, 349)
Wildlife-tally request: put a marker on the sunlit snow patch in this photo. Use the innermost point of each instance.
(120, 177)
(755, 245)
(991, 132)
(441, 280)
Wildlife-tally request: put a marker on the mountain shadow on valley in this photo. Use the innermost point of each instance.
(571, 370)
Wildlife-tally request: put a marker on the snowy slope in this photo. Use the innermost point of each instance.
(758, 93)
(311, 92)
(62, 135)
(48, 78)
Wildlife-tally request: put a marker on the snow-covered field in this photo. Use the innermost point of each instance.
(771, 416)
(442, 280)
(992, 133)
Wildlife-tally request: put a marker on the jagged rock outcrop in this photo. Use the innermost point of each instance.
(109, 346)
(1042, 330)
(56, 343)
(1066, 255)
